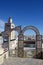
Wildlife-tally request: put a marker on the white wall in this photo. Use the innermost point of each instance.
(42, 45)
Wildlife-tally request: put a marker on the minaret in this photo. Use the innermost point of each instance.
(9, 43)
(9, 26)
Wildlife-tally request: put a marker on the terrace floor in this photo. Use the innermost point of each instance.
(22, 61)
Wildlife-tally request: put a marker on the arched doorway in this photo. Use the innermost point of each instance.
(29, 43)
(37, 42)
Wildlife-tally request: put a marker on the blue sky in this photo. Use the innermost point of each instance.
(23, 12)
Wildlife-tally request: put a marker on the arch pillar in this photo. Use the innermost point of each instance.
(38, 46)
(20, 45)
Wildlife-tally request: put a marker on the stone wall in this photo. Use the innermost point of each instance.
(13, 52)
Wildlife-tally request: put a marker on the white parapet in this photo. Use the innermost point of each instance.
(1, 55)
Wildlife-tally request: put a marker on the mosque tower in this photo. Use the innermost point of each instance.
(9, 26)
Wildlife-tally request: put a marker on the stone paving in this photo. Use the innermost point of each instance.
(22, 61)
